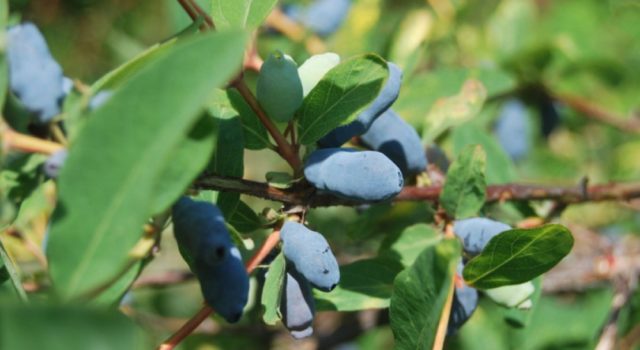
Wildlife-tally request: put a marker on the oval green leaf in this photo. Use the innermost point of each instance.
(464, 191)
(343, 92)
(517, 256)
(420, 294)
(106, 188)
(364, 284)
(272, 290)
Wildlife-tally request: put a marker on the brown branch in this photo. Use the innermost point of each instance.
(203, 13)
(15, 141)
(163, 280)
(284, 148)
(294, 31)
(303, 194)
(597, 113)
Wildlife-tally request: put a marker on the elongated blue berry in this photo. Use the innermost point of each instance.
(358, 175)
(362, 123)
(297, 305)
(512, 129)
(34, 75)
(465, 302)
(475, 233)
(310, 254)
(399, 141)
(206, 246)
(323, 17)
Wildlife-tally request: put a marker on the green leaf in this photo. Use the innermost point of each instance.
(279, 179)
(228, 160)
(75, 104)
(465, 188)
(240, 13)
(499, 167)
(364, 284)
(19, 176)
(121, 74)
(272, 290)
(106, 189)
(455, 110)
(244, 219)
(4, 70)
(518, 255)
(255, 134)
(343, 92)
(410, 243)
(420, 294)
(64, 328)
(186, 162)
(413, 102)
(8, 274)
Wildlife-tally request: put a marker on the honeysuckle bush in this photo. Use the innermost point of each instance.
(391, 174)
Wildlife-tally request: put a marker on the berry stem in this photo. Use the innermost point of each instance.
(597, 113)
(254, 62)
(193, 323)
(15, 141)
(284, 148)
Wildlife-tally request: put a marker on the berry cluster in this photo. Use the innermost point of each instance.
(378, 174)
(206, 246)
(38, 83)
(475, 234)
(310, 263)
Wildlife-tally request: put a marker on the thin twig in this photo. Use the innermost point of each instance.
(169, 278)
(624, 288)
(284, 148)
(186, 329)
(597, 113)
(203, 13)
(15, 141)
(294, 31)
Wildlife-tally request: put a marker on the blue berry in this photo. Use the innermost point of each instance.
(362, 123)
(399, 141)
(358, 175)
(465, 302)
(297, 305)
(512, 129)
(206, 245)
(475, 233)
(54, 163)
(310, 254)
(34, 75)
(323, 17)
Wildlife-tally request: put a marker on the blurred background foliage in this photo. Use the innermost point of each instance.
(535, 51)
